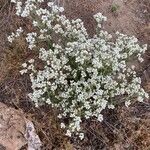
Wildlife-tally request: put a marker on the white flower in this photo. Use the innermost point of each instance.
(140, 99)
(111, 106)
(127, 103)
(24, 65)
(31, 61)
(146, 95)
(68, 133)
(35, 23)
(62, 125)
(23, 71)
(100, 117)
(140, 59)
(18, 31)
(99, 17)
(10, 39)
(59, 116)
(50, 4)
(61, 9)
(18, 8)
(13, 1)
(40, 1)
(81, 136)
(48, 101)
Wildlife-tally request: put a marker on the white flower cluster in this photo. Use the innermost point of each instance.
(13, 36)
(31, 39)
(81, 75)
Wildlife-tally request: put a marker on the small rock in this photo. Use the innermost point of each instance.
(33, 139)
(12, 128)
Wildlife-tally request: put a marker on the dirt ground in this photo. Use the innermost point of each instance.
(122, 128)
(130, 17)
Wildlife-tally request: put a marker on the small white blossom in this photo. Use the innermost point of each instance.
(59, 116)
(111, 106)
(68, 133)
(127, 103)
(35, 23)
(12, 37)
(140, 99)
(31, 61)
(100, 117)
(23, 71)
(62, 125)
(50, 4)
(140, 59)
(81, 136)
(13, 1)
(24, 65)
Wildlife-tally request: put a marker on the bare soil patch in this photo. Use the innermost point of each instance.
(130, 17)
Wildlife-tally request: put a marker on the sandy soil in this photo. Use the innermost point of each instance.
(131, 17)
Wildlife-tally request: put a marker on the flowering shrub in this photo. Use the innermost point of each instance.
(81, 76)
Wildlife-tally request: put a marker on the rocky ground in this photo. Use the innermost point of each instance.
(122, 128)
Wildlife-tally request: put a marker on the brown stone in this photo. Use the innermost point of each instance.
(12, 128)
